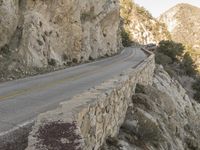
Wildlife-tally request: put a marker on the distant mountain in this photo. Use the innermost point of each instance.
(140, 24)
(183, 21)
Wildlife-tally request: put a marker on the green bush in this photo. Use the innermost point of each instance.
(162, 59)
(197, 96)
(171, 49)
(126, 41)
(140, 88)
(196, 87)
(171, 72)
(52, 62)
(188, 65)
(168, 52)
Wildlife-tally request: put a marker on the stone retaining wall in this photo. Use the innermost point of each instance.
(84, 122)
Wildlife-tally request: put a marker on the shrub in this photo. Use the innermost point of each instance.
(196, 87)
(168, 52)
(171, 49)
(162, 59)
(75, 60)
(188, 65)
(171, 72)
(197, 96)
(52, 62)
(139, 88)
(126, 41)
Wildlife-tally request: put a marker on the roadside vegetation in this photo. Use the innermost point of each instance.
(196, 87)
(126, 40)
(178, 62)
(170, 53)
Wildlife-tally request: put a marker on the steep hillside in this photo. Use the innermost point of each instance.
(41, 33)
(161, 117)
(183, 21)
(140, 24)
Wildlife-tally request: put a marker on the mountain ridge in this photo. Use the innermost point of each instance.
(179, 5)
(142, 27)
(183, 23)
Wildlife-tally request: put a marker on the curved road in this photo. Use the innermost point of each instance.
(24, 99)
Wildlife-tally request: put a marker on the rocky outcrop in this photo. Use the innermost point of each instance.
(8, 20)
(58, 32)
(140, 25)
(86, 120)
(161, 117)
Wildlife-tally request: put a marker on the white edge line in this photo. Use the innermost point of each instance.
(20, 126)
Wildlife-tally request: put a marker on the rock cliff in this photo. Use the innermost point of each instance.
(140, 24)
(38, 33)
(161, 117)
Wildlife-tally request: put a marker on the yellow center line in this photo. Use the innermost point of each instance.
(57, 82)
(38, 88)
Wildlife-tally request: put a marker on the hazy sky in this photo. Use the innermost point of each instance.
(156, 7)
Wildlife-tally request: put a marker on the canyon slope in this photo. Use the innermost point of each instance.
(140, 25)
(183, 22)
(37, 34)
(160, 117)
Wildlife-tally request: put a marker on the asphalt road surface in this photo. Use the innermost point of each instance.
(22, 100)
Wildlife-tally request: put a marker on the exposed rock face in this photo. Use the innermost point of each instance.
(59, 31)
(140, 24)
(162, 117)
(183, 21)
(8, 20)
